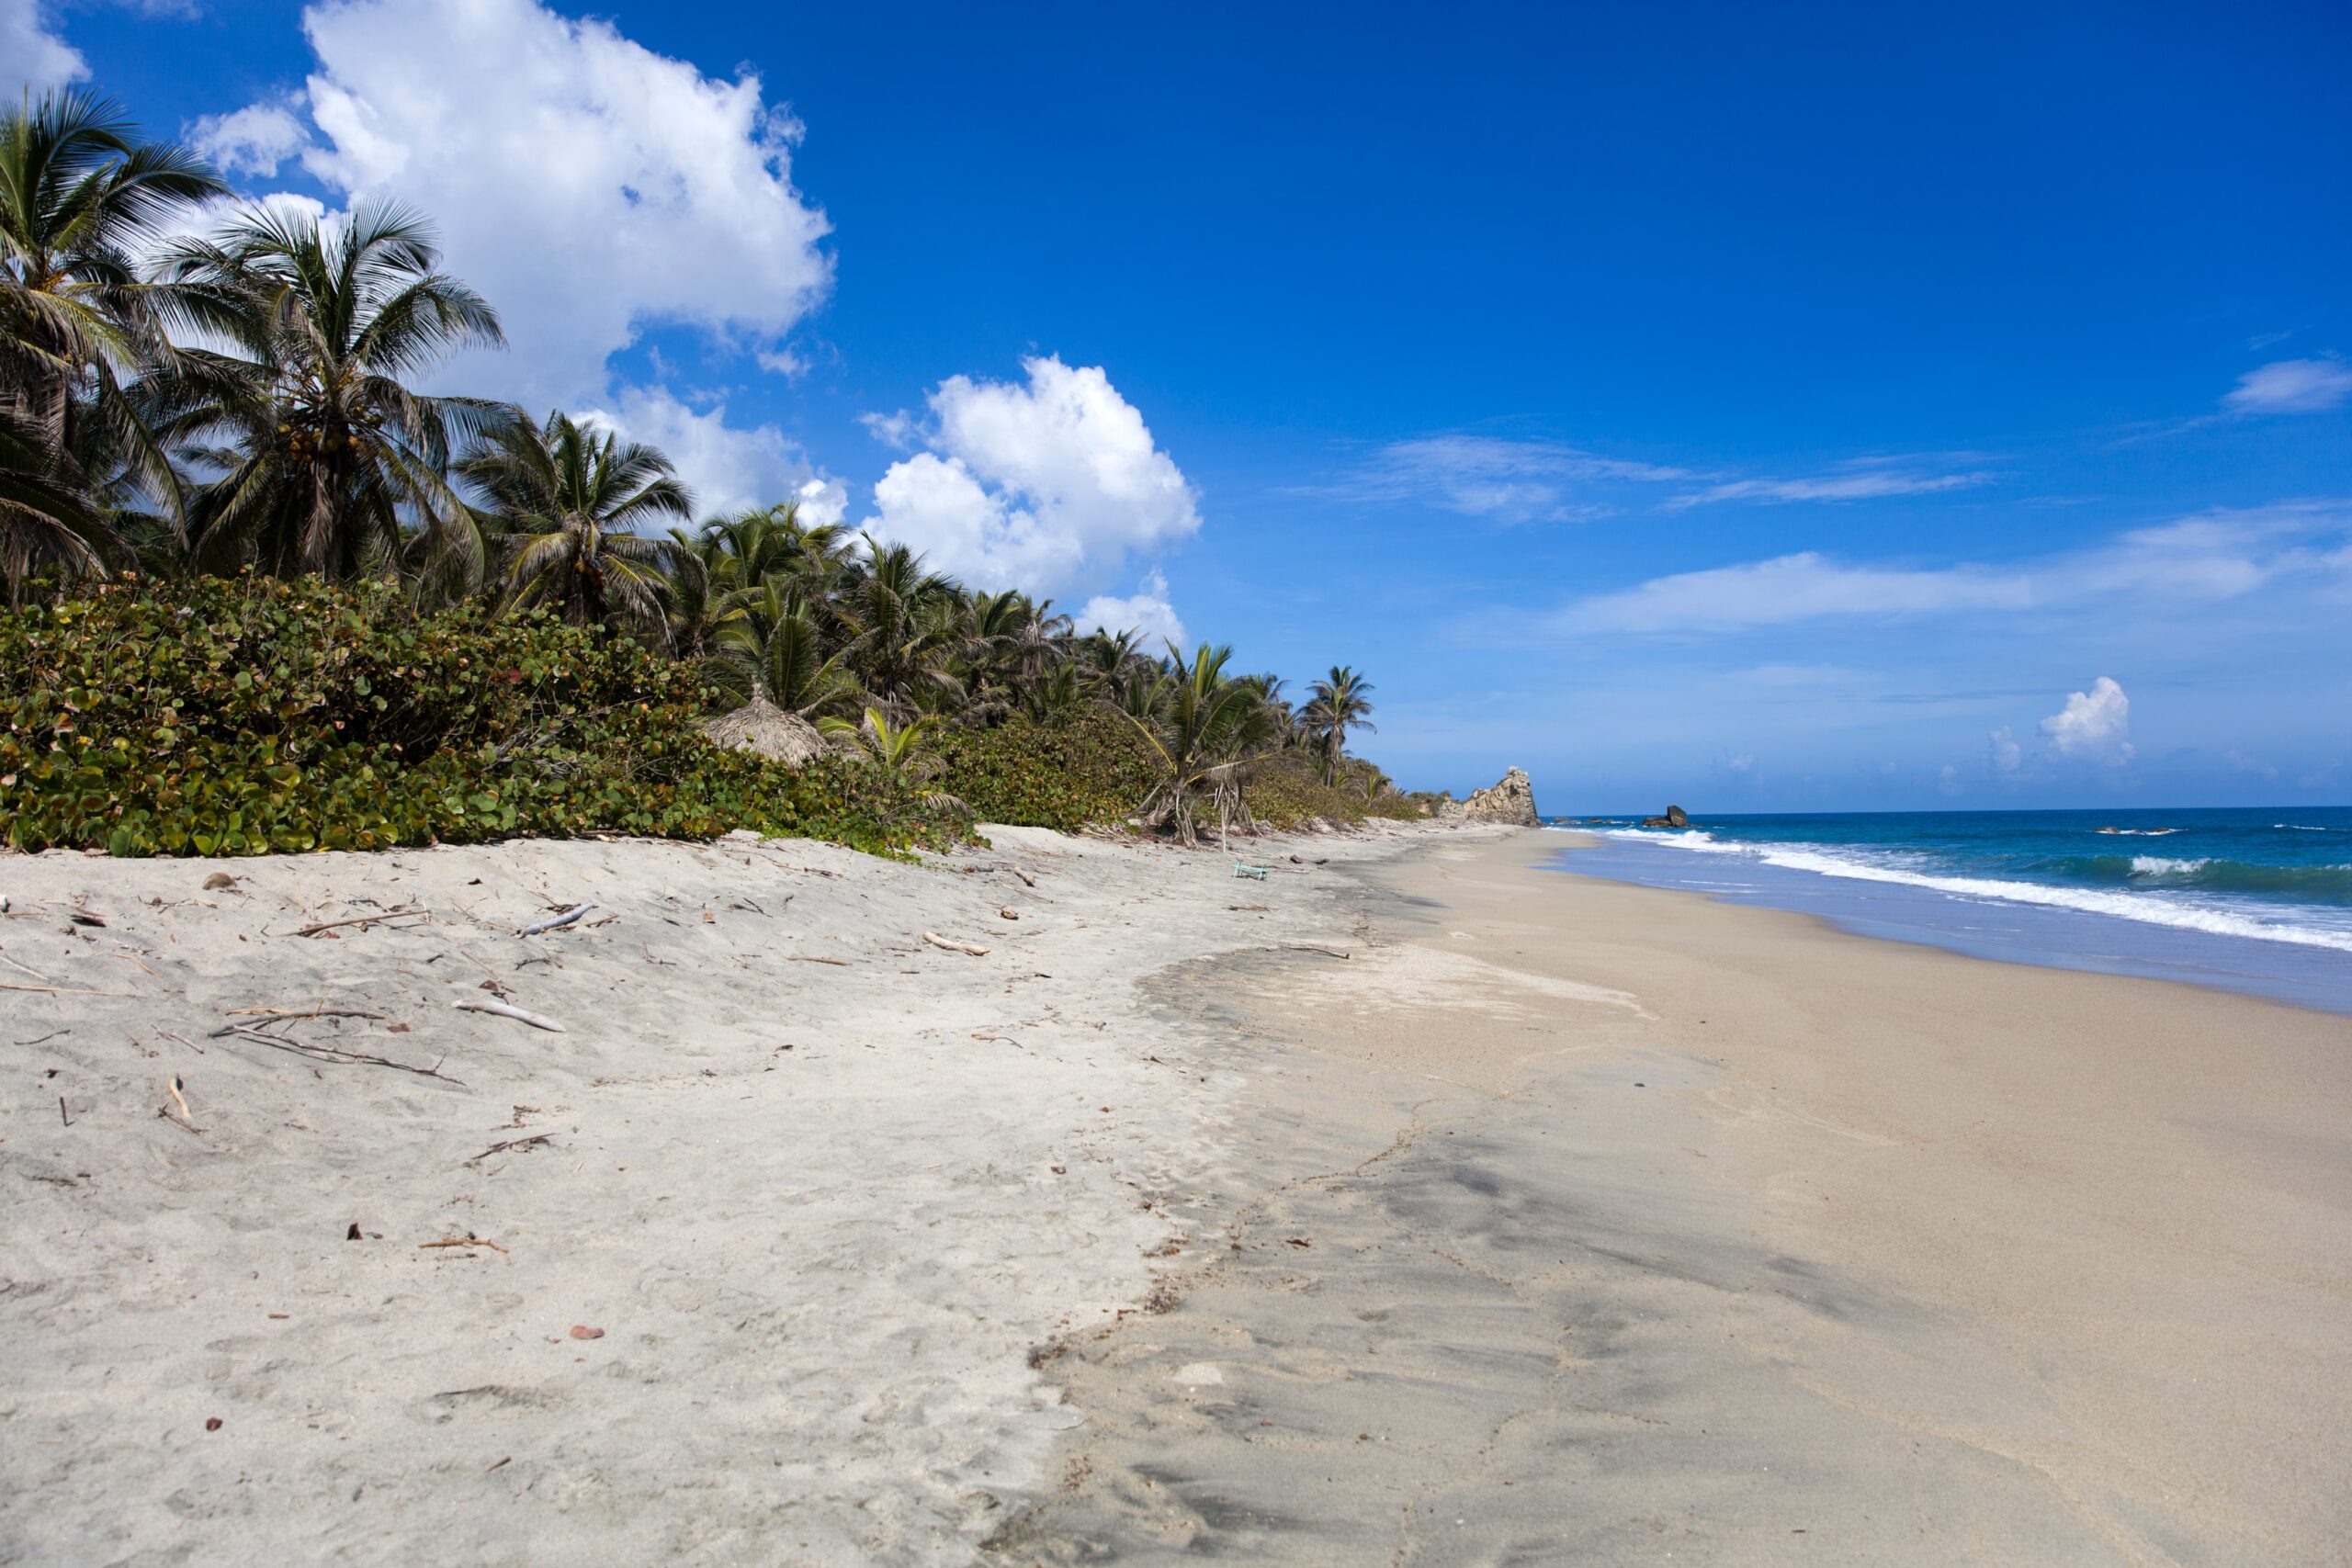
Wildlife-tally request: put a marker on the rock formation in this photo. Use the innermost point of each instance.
(1511, 799)
(1673, 818)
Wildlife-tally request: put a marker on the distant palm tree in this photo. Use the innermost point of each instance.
(570, 500)
(1203, 727)
(79, 196)
(1341, 701)
(898, 752)
(899, 623)
(324, 451)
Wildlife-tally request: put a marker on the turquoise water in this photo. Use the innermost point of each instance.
(2256, 900)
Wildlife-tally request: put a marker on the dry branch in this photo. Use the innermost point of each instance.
(327, 1053)
(504, 1010)
(557, 923)
(354, 920)
(952, 945)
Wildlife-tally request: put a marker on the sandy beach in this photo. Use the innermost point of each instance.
(1417, 1205)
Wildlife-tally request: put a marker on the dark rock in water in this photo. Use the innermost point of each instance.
(1674, 817)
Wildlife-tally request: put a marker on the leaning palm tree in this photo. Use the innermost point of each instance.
(79, 198)
(1203, 730)
(312, 326)
(1341, 701)
(570, 500)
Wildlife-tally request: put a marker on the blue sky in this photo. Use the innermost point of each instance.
(1765, 409)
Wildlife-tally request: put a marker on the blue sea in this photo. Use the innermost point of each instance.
(2255, 900)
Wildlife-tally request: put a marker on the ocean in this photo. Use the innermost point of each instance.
(2256, 900)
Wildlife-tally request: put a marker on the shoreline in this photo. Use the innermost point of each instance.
(1590, 1221)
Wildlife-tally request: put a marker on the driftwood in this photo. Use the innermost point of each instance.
(334, 1054)
(506, 1010)
(812, 958)
(555, 923)
(1016, 871)
(355, 920)
(952, 945)
(282, 1015)
(461, 1241)
(1309, 947)
(58, 990)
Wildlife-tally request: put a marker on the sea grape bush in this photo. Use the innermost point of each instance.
(253, 714)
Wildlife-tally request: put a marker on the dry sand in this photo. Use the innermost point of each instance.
(1559, 1221)
(1580, 1222)
(821, 1212)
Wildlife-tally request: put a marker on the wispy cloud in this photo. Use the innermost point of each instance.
(2214, 556)
(1485, 476)
(1859, 478)
(2292, 386)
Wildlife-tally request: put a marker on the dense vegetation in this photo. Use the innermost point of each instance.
(264, 594)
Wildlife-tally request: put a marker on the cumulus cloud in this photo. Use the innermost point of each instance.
(2216, 556)
(2093, 725)
(31, 56)
(2292, 386)
(1147, 611)
(1860, 478)
(256, 139)
(1049, 484)
(2002, 753)
(590, 189)
(730, 468)
(1484, 476)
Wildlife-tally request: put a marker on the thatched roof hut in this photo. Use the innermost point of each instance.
(761, 726)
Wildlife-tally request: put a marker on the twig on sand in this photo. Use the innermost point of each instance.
(1309, 947)
(510, 1143)
(22, 970)
(504, 1010)
(812, 958)
(557, 923)
(467, 1240)
(328, 1052)
(1015, 870)
(173, 1083)
(355, 920)
(952, 945)
(58, 990)
(1008, 1038)
(284, 1015)
(61, 1111)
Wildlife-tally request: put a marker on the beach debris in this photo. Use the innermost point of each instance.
(504, 1010)
(812, 958)
(353, 1233)
(468, 1240)
(1298, 1241)
(952, 945)
(509, 1145)
(219, 881)
(334, 1054)
(82, 917)
(282, 1015)
(1310, 947)
(501, 1464)
(322, 927)
(212, 1423)
(1027, 879)
(1259, 873)
(175, 1085)
(557, 923)
(582, 1331)
(1008, 914)
(61, 1111)
(1248, 908)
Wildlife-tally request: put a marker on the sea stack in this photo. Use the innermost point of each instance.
(1510, 799)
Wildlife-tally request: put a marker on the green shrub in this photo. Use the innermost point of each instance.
(1086, 766)
(1287, 788)
(245, 716)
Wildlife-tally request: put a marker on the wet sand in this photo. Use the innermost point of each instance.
(1570, 1222)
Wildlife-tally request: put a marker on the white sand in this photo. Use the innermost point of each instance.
(819, 1219)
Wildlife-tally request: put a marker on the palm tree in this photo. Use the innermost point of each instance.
(772, 637)
(1201, 729)
(901, 638)
(325, 453)
(1341, 701)
(570, 498)
(78, 198)
(897, 753)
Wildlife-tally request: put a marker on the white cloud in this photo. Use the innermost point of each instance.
(1744, 762)
(1860, 479)
(1147, 611)
(2095, 726)
(730, 467)
(255, 139)
(2217, 556)
(1047, 487)
(1483, 476)
(1948, 780)
(2292, 386)
(589, 187)
(2002, 751)
(35, 57)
